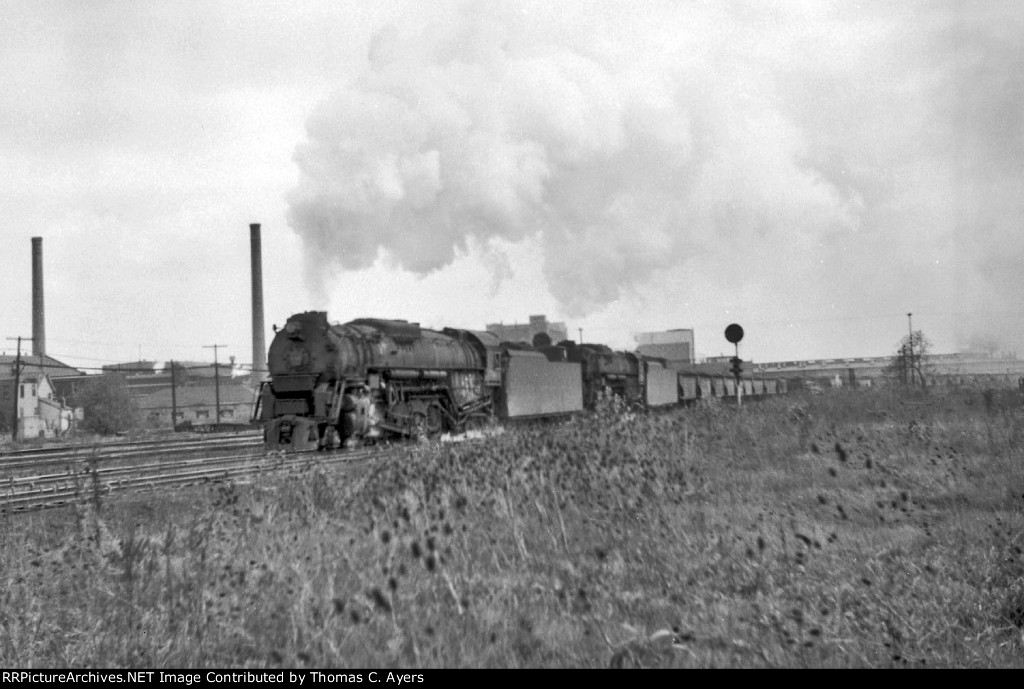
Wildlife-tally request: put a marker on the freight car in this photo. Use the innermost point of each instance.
(333, 384)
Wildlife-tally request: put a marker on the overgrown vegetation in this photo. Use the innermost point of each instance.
(108, 405)
(846, 529)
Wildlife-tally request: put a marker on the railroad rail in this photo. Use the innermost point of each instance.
(69, 474)
(141, 442)
(41, 459)
(89, 478)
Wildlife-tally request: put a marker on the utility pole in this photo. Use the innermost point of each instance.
(17, 385)
(910, 343)
(216, 376)
(174, 396)
(581, 335)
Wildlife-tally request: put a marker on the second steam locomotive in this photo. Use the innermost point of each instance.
(335, 384)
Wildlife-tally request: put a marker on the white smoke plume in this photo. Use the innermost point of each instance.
(833, 152)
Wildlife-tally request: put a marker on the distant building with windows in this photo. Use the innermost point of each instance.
(196, 404)
(186, 392)
(526, 332)
(145, 376)
(675, 346)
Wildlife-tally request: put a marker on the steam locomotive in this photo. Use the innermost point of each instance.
(336, 384)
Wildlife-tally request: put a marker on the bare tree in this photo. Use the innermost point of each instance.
(910, 363)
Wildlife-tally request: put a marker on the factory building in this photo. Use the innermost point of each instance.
(675, 346)
(187, 392)
(526, 332)
(196, 405)
(146, 376)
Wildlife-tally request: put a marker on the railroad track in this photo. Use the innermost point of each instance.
(66, 475)
(86, 479)
(143, 441)
(42, 459)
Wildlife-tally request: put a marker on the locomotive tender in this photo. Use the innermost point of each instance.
(335, 384)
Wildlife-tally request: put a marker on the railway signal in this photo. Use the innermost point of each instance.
(734, 333)
(737, 366)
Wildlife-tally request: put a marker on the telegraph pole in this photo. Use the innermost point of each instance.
(581, 335)
(174, 396)
(216, 376)
(17, 384)
(910, 343)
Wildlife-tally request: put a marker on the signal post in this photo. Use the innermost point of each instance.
(734, 333)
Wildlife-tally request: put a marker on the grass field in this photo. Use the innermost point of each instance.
(839, 530)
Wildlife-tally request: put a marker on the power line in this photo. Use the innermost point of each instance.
(113, 368)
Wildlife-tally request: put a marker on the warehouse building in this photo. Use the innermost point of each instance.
(674, 346)
(196, 405)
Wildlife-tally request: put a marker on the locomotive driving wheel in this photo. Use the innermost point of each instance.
(435, 420)
(428, 422)
(419, 425)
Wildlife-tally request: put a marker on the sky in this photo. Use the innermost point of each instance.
(811, 170)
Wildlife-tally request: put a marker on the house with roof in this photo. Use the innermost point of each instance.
(39, 412)
(64, 379)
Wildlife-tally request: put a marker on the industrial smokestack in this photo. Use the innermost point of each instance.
(38, 315)
(259, 347)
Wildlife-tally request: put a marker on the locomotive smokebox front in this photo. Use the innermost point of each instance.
(300, 347)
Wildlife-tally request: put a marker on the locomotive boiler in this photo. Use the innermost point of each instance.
(358, 381)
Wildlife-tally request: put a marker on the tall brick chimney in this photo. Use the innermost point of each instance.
(38, 312)
(259, 347)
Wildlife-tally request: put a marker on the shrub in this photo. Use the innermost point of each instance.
(107, 404)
